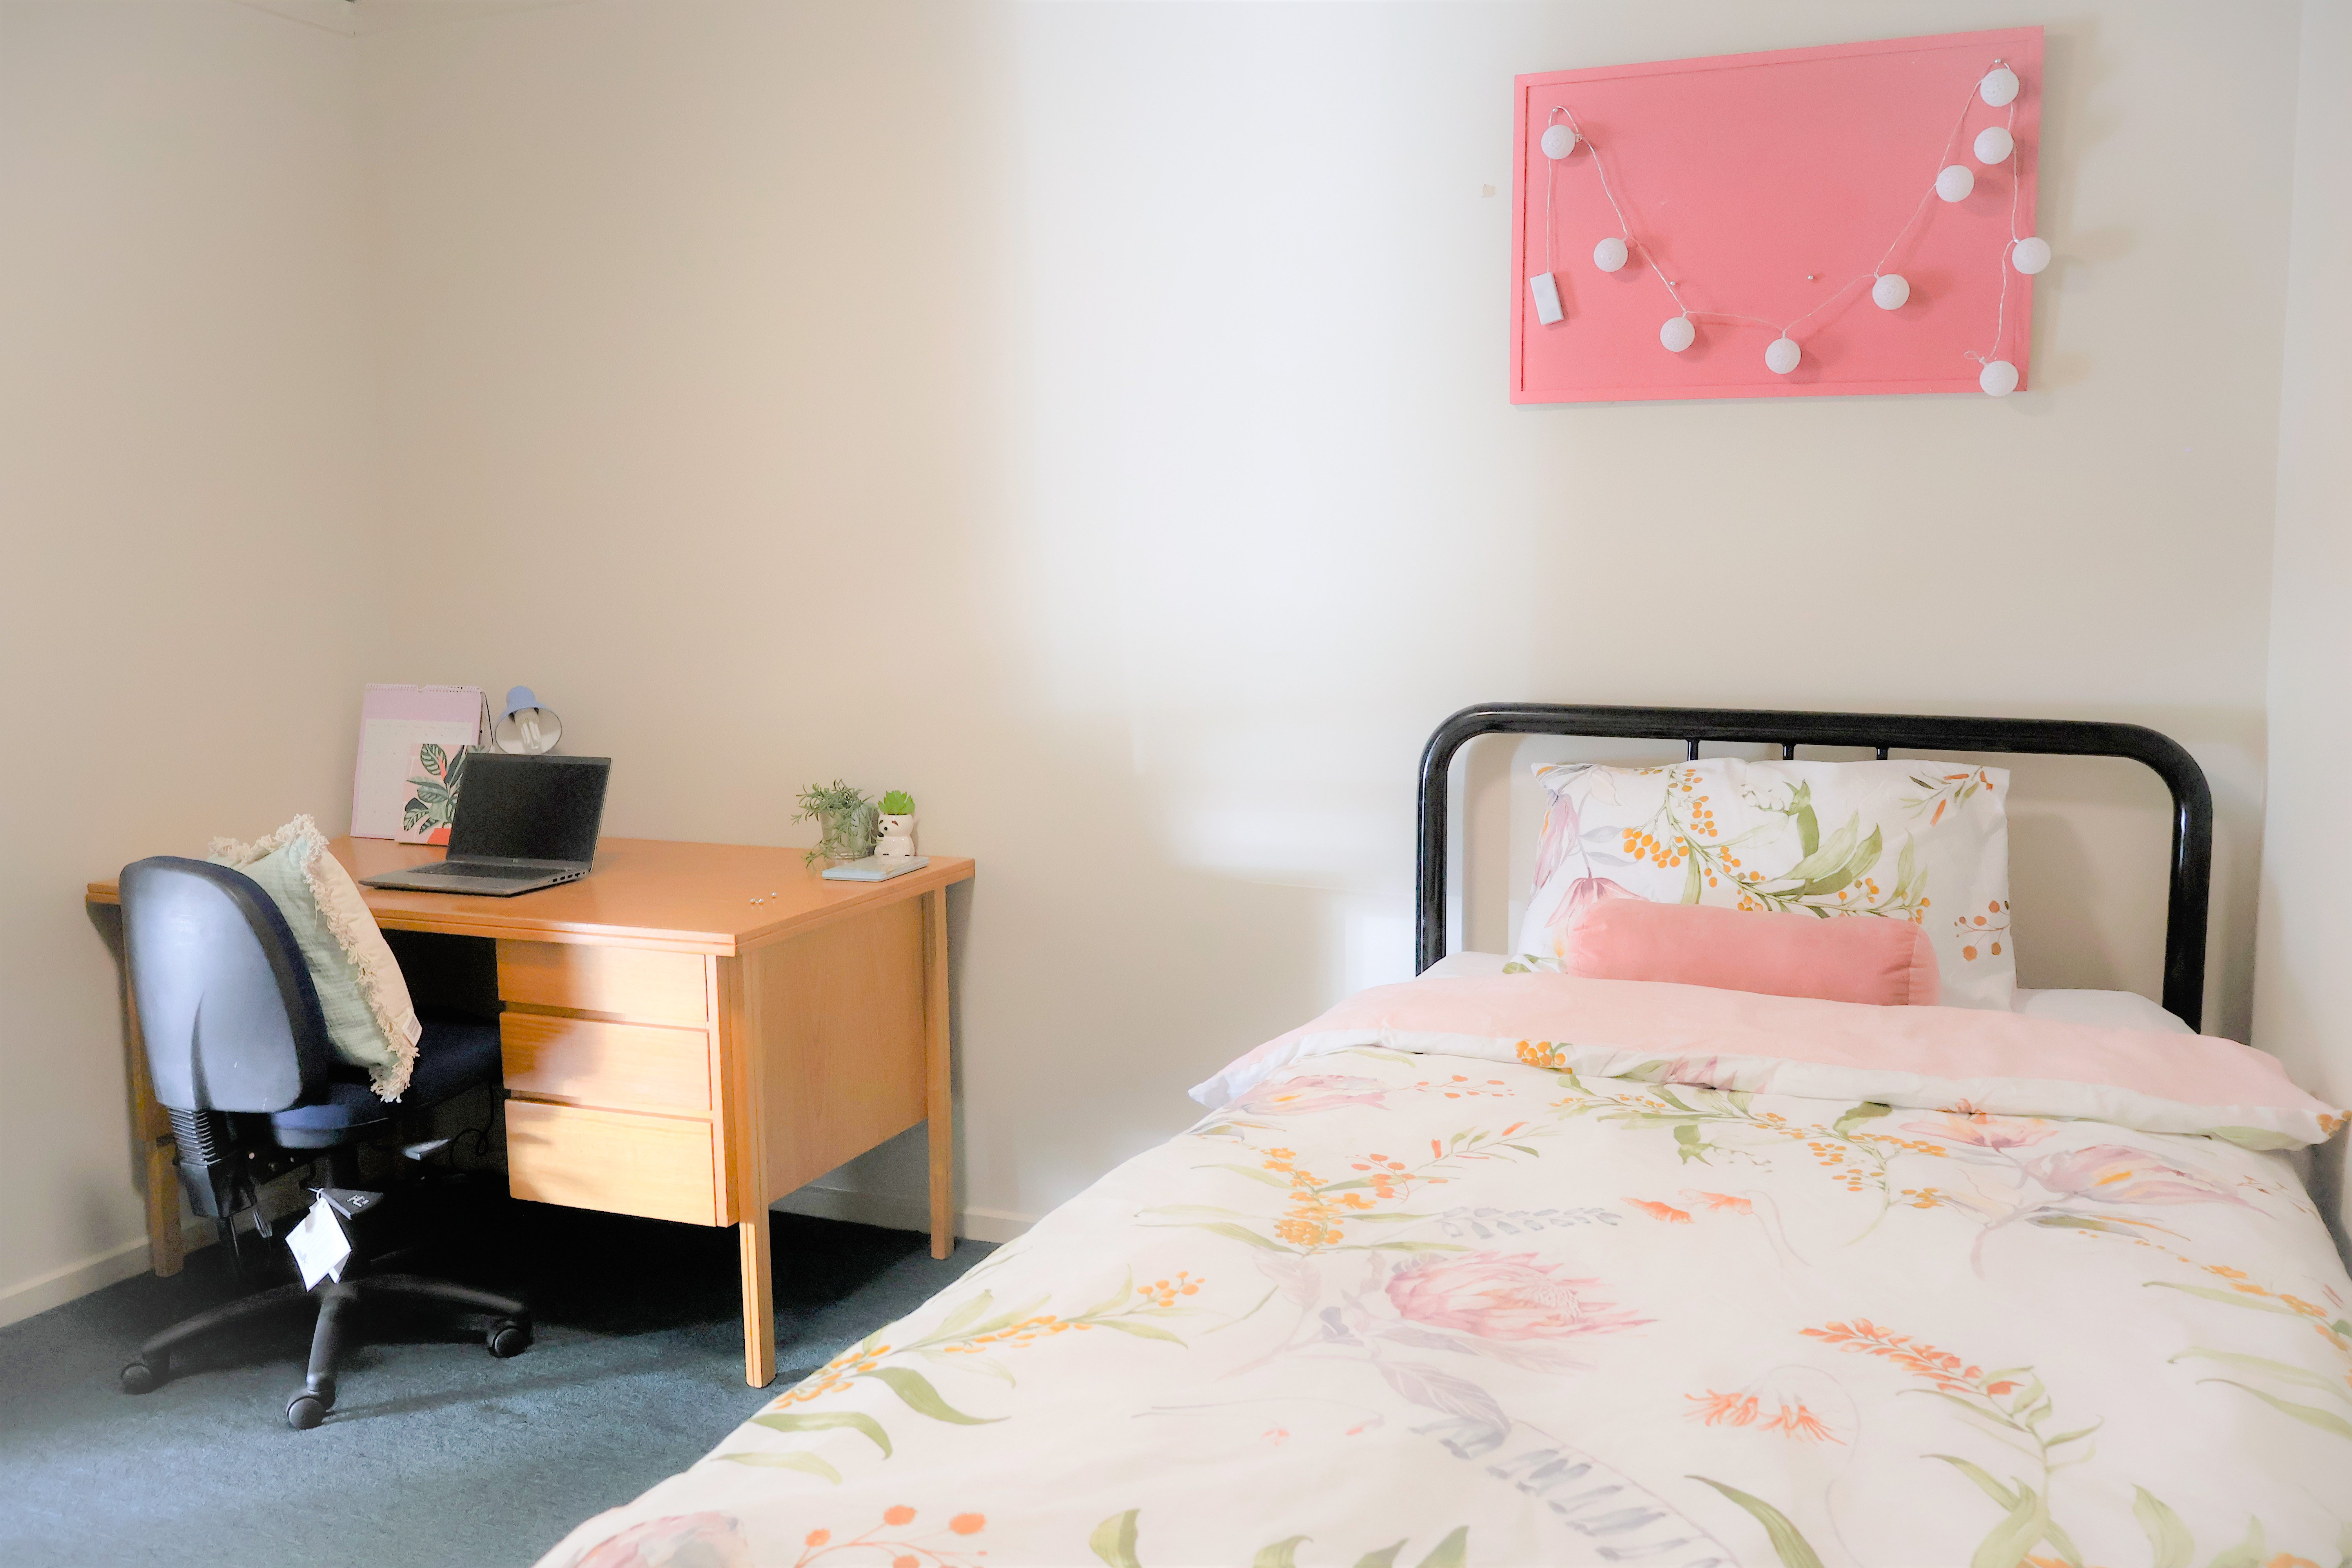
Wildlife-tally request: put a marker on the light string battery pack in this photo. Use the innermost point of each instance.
(1728, 166)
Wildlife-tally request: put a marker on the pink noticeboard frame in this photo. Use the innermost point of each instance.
(1744, 173)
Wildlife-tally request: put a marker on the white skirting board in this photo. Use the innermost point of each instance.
(59, 1286)
(891, 1211)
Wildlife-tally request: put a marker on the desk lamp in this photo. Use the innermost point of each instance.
(525, 728)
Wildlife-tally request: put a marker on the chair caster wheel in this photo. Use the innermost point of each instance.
(305, 1410)
(138, 1377)
(508, 1338)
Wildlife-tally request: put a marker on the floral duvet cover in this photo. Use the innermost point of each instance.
(1430, 1291)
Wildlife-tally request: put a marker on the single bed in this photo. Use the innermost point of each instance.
(1535, 1269)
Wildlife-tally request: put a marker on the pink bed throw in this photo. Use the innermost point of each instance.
(1928, 1058)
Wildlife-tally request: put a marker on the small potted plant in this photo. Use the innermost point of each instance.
(844, 822)
(897, 826)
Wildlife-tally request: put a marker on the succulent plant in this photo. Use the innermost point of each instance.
(898, 803)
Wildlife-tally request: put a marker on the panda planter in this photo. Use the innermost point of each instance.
(897, 840)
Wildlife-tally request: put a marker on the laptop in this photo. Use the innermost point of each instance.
(522, 823)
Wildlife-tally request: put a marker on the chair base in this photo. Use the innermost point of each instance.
(506, 1333)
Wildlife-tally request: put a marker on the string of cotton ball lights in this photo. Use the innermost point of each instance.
(1997, 377)
(1954, 182)
(1558, 141)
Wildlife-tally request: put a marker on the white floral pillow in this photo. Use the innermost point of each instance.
(1922, 841)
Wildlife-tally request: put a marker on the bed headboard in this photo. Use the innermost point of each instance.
(2192, 801)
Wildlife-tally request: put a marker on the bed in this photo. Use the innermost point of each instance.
(1530, 1267)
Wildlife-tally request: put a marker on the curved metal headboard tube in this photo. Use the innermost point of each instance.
(2192, 801)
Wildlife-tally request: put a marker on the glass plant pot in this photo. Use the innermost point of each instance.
(846, 834)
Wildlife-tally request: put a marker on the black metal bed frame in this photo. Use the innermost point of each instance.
(2192, 801)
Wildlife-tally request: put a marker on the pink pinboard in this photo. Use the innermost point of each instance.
(1767, 188)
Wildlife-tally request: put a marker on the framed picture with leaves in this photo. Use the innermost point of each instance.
(433, 783)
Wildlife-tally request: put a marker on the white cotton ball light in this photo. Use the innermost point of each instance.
(1993, 144)
(1559, 141)
(1890, 291)
(2031, 256)
(1999, 86)
(1677, 333)
(1781, 357)
(1954, 182)
(1609, 254)
(2000, 378)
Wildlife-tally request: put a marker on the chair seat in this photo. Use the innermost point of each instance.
(451, 1057)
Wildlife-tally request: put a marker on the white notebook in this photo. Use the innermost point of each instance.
(412, 738)
(872, 869)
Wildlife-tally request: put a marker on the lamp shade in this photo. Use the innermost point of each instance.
(526, 728)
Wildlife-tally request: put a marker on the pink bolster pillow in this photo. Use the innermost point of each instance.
(1849, 958)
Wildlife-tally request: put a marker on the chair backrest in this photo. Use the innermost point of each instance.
(230, 1019)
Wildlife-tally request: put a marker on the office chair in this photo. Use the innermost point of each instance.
(237, 1046)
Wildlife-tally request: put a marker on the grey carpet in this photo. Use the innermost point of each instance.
(436, 1453)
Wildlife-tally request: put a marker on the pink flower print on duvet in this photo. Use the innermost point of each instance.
(1499, 1296)
(2114, 1173)
(1982, 1130)
(701, 1540)
(1313, 1091)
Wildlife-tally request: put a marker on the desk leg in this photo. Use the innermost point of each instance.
(938, 1097)
(759, 1302)
(166, 1247)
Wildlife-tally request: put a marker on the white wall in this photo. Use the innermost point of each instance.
(1092, 418)
(1173, 430)
(188, 586)
(2299, 1011)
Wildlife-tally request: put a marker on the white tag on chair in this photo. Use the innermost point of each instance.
(321, 1248)
(1546, 293)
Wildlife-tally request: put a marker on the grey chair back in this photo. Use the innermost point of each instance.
(230, 1019)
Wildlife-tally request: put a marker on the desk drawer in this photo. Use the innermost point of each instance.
(657, 1166)
(587, 1061)
(626, 982)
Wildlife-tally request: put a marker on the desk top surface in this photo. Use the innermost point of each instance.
(648, 892)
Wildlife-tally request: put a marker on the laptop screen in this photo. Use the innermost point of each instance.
(530, 808)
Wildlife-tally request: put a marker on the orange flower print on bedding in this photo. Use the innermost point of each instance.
(920, 1551)
(1541, 1054)
(1792, 1417)
(855, 1361)
(1947, 1371)
(1498, 1295)
(1315, 1215)
(1982, 933)
(1666, 1212)
(1802, 1425)
(1724, 1409)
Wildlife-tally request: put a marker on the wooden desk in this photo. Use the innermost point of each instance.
(690, 1032)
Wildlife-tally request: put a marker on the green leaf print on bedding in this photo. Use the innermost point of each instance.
(788, 1461)
(1788, 1542)
(2309, 1415)
(1114, 1540)
(826, 1421)
(2168, 1538)
(923, 1399)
